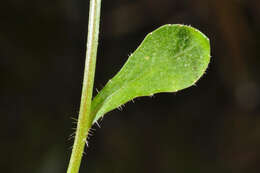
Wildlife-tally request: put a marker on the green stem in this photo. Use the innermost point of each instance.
(84, 120)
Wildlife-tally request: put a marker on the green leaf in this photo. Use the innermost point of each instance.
(169, 59)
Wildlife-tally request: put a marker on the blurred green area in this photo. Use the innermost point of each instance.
(213, 127)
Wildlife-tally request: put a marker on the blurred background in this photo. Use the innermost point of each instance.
(212, 127)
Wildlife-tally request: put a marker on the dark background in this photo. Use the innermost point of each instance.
(212, 127)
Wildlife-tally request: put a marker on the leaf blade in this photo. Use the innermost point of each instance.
(171, 58)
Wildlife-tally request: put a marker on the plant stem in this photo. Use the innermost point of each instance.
(84, 120)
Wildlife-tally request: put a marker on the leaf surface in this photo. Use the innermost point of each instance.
(169, 59)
